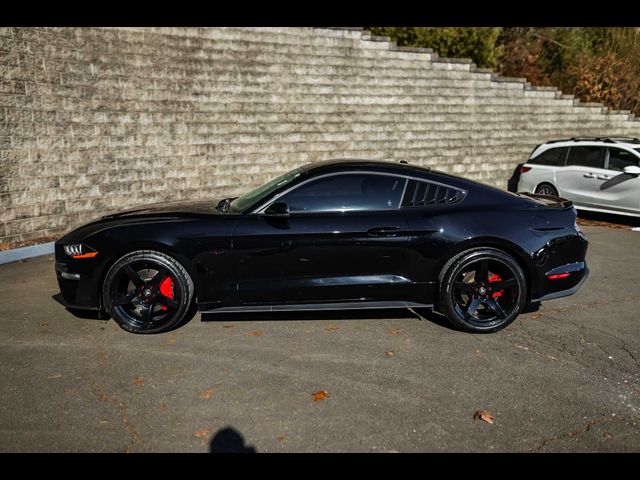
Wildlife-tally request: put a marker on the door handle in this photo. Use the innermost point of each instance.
(589, 175)
(383, 231)
(603, 177)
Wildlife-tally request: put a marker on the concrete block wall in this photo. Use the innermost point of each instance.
(93, 120)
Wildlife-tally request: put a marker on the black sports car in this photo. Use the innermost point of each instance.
(330, 235)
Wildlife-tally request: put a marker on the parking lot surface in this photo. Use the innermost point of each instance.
(563, 378)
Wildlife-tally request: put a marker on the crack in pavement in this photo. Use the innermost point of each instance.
(581, 329)
(99, 391)
(622, 344)
(574, 433)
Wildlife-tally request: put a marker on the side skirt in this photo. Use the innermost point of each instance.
(319, 306)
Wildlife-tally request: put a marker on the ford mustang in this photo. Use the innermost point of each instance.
(329, 235)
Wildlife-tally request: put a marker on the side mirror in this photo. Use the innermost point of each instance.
(277, 209)
(632, 170)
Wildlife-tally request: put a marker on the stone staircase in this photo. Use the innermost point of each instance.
(94, 120)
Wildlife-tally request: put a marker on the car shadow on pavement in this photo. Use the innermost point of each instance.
(364, 314)
(229, 440)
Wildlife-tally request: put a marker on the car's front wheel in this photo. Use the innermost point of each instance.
(482, 290)
(148, 292)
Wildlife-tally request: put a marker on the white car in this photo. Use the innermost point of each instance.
(597, 174)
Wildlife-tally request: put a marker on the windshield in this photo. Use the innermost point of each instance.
(245, 201)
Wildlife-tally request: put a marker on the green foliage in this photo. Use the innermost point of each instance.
(476, 43)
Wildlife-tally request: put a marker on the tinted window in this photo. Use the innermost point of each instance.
(359, 191)
(586, 157)
(425, 193)
(248, 199)
(618, 159)
(553, 157)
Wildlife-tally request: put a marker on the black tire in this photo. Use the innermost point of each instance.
(148, 292)
(546, 189)
(472, 280)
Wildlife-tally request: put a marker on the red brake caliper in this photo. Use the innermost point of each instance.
(496, 278)
(166, 289)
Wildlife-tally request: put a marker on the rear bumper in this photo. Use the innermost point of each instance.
(584, 273)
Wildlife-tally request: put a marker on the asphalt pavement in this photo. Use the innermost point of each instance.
(563, 378)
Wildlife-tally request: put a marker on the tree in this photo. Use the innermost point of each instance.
(597, 64)
(476, 43)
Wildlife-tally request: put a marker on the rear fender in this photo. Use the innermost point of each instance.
(520, 256)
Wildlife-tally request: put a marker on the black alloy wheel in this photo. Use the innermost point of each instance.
(482, 290)
(546, 189)
(148, 292)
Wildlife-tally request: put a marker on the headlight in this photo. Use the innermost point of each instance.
(78, 250)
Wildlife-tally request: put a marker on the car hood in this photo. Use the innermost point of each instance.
(169, 208)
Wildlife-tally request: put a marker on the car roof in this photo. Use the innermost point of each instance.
(628, 144)
(342, 164)
(406, 169)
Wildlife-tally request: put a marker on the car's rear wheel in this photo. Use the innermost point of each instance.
(482, 290)
(546, 189)
(148, 292)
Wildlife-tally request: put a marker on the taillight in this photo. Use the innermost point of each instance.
(524, 169)
(558, 276)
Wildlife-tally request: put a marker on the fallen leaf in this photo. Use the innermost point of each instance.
(228, 326)
(163, 405)
(606, 435)
(44, 324)
(55, 375)
(207, 393)
(320, 395)
(331, 329)
(394, 331)
(521, 346)
(104, 422)
(483, 415)
(257, 333)
(477, 350)
(389, 353)
(170, 341)
(280, 437)
(202, 433)
(138, 381)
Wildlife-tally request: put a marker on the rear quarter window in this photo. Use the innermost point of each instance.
(420, 193)
(553, 157)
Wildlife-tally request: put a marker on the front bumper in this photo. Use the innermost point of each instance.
(78, 283)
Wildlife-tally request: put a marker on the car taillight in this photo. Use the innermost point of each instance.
(558, 276)
(524, 169)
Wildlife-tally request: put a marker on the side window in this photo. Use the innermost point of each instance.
(553, 157)
(425, 193)
(618, 159)
(357, 191)
(586, 156)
